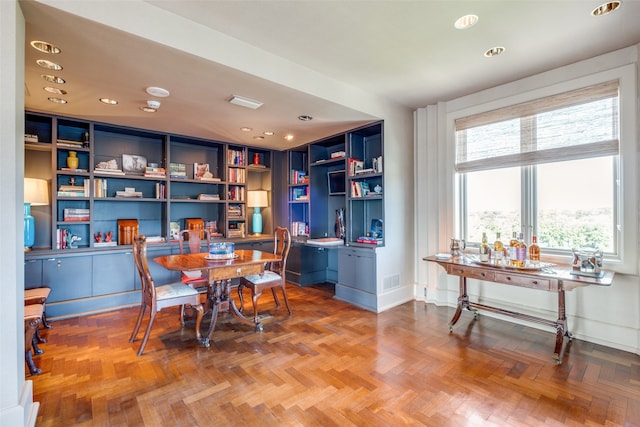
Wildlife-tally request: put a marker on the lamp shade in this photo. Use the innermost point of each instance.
(257, 199)
(36, 191)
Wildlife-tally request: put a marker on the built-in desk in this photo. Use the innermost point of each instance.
(557, 278)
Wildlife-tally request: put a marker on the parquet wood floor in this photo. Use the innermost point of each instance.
(330, 364)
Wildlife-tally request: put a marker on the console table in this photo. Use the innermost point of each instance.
(556, 278)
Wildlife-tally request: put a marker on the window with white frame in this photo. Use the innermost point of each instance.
(548, 167)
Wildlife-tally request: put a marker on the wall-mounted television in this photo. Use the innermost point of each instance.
(336, 182)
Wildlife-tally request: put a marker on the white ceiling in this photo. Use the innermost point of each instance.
(337, 61)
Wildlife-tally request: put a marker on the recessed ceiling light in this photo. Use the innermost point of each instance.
(55, 90)
(45, 47)
(268, 133)
(48, 64)
(494, 51)
(258, 137)
(305, 118)
(245, 102)
(148, 109)
(606, 8)
(53, 79)
(57, 100)
(246, 129)
(157, 91)
(288, 137)
(108, 101)
(466, 21)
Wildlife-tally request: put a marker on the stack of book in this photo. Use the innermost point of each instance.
(129, 193)
(235, 230)
(178, 170)
(74, 190)
(69, 143)
(75, 214)
(235, 211)
(154, 172)
(370, 240)
(208, 197)
(108, 171)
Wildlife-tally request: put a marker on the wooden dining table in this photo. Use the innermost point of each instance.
(221, 272)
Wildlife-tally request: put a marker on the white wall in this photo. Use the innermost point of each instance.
(604, 315)
(16, 396)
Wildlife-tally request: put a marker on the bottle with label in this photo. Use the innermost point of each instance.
(498, 250)
(485, 251)
(521, 252)
(511, 251)
(534, 251)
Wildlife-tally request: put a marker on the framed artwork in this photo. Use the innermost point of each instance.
(135, 164)
(201, 171)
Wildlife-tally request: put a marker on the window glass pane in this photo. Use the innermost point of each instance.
(493, 203)
(575, 204)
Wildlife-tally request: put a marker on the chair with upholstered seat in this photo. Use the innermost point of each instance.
(196, 279)
(32, 320)
(158, 297)
(38, 296)
(273, 276)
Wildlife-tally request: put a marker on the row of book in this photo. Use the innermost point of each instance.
(299, 228)
(359, 188)
(154, 172)
(298, 177)
(237, 175)
(74, 190)
(357, 167)
(178, 170)
(235, 157)
(236, 193)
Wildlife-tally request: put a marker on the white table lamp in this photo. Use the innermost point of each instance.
(36, 193)
(257, 199)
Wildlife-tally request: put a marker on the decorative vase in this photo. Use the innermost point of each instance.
(72, 160)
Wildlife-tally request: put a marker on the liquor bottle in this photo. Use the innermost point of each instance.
(485, 251)
(498, 250)
(521, 252)
(511, 252)
(534, 251)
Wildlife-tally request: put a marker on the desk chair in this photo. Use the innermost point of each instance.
(273, 276)
(158, 297)
(196, 279)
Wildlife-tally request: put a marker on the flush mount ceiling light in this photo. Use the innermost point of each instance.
(55, 90)
(148, 109)
(152, 103)
(53, 79)
(258, 137)
(494, 51)
(245, 102)
(57, 100)
(268, 133)
(305, 118)
(157, 91)
(108, 101)
(288, 137)
(48, 65)
(45, 47)
(246, 129)
(466, 21)
(606, 8)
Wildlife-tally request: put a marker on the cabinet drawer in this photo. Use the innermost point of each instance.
(231, 272)
(471, 272)
(527, 282)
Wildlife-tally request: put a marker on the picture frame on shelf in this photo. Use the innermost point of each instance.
(134, 164)
(201, 171)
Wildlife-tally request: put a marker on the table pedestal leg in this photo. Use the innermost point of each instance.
(561, 327)
(463, 302)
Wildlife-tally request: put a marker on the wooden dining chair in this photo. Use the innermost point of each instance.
(196, 279)
(273, 276)
(158, 297)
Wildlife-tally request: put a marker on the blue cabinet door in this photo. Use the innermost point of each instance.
(69, 278)
(113, 273)
(32, 273)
